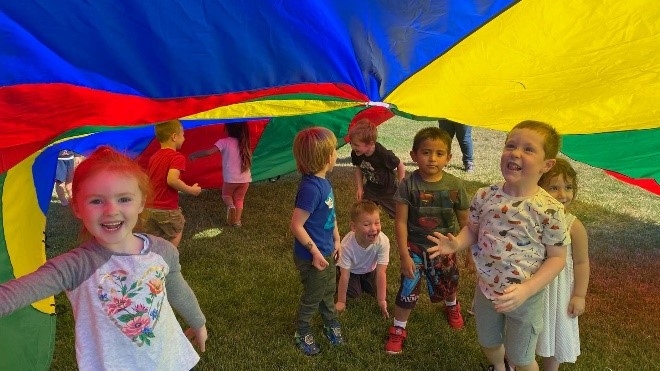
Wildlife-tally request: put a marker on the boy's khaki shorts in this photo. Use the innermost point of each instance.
(164, 223)
(518, 330)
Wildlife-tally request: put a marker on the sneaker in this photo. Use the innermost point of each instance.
(469, 167)
(395, 341)
(333, 333)
(454, 316)
(307, 344)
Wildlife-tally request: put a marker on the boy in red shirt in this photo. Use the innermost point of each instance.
(165, 166)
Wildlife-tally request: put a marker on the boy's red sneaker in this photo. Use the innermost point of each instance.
(454, 316)
(395, 341)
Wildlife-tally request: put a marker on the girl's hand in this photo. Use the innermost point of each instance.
(340, 306)
(319, 262)
(576, 306)
(444, 245)
(512, 298)
(407, 267)
(198, 337)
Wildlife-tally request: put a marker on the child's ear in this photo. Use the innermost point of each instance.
(548, 165)
(448, 157)
(74, 208)
(413, 156)
(352, 225)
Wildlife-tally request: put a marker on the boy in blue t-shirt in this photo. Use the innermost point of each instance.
(317, 241)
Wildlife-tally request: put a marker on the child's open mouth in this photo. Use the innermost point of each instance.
(112, 226)
(512, 166)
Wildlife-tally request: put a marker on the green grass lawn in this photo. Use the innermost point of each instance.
(248, 287)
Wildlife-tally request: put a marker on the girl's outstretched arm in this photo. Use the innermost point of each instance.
(203, 153)
(63, 272)
(580, 245)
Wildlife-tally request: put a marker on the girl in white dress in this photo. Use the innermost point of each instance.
(564, 298)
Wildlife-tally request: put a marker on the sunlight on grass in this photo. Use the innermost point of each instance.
(208, 233)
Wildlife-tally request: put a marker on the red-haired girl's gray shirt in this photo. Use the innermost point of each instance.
(122, 305)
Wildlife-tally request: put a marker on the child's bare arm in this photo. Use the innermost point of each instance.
(580, 245)
(401, 233)
(298, 220)
(359, 182)
(203, 153)
(342, 288)
(515, 295)
(335, 235)
(381, 288)
(462, 217)
(400, 171)
(174, 181)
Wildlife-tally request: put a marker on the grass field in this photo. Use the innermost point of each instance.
(248, 287)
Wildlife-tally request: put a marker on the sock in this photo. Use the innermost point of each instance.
(450, 303)
(400, 324)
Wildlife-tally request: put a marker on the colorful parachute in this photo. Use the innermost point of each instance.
(77, 74)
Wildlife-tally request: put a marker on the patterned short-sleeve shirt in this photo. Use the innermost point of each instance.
(512, 235)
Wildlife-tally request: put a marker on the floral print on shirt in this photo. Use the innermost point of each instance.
(132, 304)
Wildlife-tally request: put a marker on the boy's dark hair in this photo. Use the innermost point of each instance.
(552, 142)
(363, 206)
(363, 131)
(432, 133)
(164, 130)
(563, 168)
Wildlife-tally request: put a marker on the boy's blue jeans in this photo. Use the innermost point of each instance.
(463, 135)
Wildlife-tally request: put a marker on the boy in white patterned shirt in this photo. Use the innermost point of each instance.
(518, 236)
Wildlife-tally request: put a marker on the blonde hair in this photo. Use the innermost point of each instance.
(552, 142)
(363, 131)
(312, 148)
(363, 206)
(561, 168)
(164, 130)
